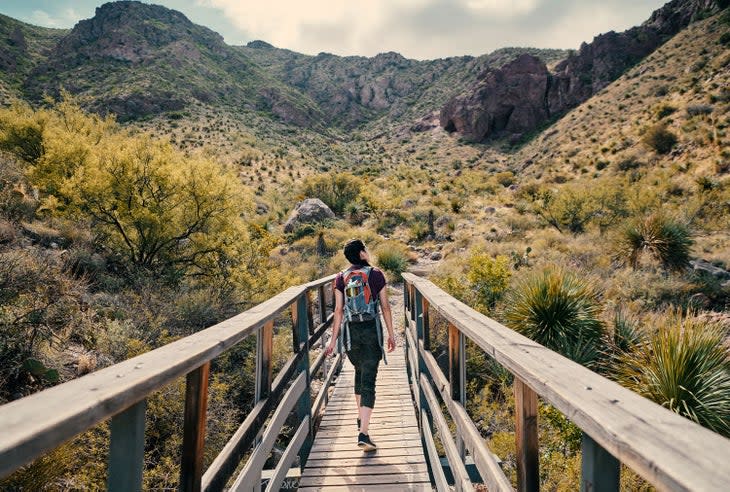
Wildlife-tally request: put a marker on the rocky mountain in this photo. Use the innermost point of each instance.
(136, 59)
(493, 106)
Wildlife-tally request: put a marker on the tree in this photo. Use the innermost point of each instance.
(336, 190)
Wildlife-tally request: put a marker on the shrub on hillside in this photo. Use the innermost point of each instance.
(393, 258)
(685, 367)
(559, 310)
(337, 190)
(659, 138)
(662, 238)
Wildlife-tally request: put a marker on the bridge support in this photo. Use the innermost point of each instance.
(126, 449)
(528, 465)
(600, 471)
(196, 405)
(301, 343)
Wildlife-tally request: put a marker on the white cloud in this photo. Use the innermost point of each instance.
(66, 18)
(501, 8)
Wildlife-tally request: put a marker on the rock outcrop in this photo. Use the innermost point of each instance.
(477, 114)
(510, 99)
(309, 211)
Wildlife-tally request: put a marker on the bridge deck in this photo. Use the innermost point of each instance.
(398, 464)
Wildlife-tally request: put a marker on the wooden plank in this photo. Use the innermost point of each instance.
(287, 458)
(225, 464)
(369, 469)
(363, 460)
(196, 404)
(264, 351)
(437, 470)
(322, 395)
(600, 472)
(411, 487)
(461, 477)
(304, 405)
(36, 424)
(346, 480)
(322, 304)
(487, 464)
(252, 470)
(528, 450)
(336, 438)
(426, 323)
(668, 450)
(126, 450)
(349, 444)
(356, 452)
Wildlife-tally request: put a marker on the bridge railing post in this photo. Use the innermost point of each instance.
(126, 449)
(196, 404)
(528, 467)
(457, 375)
(300, 320)
(600, 470)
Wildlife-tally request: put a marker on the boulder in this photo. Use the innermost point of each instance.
(709, 268)
(309, 211)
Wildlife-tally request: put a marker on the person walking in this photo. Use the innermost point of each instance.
(359, 292)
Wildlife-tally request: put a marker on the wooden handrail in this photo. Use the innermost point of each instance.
(670, 451)
(39, 423)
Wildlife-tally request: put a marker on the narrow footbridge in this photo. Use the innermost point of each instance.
(426, 439)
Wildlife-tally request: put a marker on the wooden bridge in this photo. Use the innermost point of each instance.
(416, 401)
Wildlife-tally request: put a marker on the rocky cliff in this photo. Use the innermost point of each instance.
(490, 108)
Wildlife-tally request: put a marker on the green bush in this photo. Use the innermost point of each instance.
(685, 367)
(392, 258)
(337, 190)
(660, 139)
(558, 310)
(664, 239)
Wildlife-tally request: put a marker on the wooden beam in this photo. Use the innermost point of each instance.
(426, 324)
(322, 304)
(196, 404)
(126, 449)
(600, 471)
(304, 405)
(287, 458)
(668, 450)
(528, 466)
(264, 364)
(36, 424)
(434, 462)
(457, 373)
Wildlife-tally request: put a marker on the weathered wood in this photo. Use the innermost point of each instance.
(36, 424)
(225, 464)
(668, 450)
(310, 313)
(437, 471)
(304, 405)
(287, 458)
(322, 304)
(600, 472)
(322, 395)
(487, 464)
(528, 466)
(345, 481)
(461, 477)
(264, 351)
(457, 373)
(126, 449)
(196, 404)
(426, 323)
(402, 487)
(252, 470)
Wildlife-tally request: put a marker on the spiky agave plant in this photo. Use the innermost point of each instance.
(558, 310)
(661, 237)
(685, 367)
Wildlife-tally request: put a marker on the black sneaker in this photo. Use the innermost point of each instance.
(364, 442)
(358, 425)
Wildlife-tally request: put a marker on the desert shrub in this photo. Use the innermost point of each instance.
(698, 110)
(659, 138)
(665, 110)
(337, 190)
(662, 238)
(559, 310)
(684, 366)
(393, 258)
(571, 208)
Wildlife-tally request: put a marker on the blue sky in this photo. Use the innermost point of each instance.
(422, 29)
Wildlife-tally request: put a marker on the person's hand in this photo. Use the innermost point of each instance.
(391, 343)
(330, 348)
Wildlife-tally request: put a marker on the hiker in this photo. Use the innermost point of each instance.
(359, 290)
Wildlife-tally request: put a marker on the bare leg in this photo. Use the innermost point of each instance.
(365, 413)
(357, 400)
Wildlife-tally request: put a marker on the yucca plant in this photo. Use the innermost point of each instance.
(685, 367)
(664, 239)
(558, 310)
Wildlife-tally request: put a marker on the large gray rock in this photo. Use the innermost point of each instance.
(311, 210)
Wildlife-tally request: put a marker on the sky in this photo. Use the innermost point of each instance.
(420, 29)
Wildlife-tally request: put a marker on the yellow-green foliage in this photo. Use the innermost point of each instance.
(147, 201)
(393, 258)
(337, 190)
